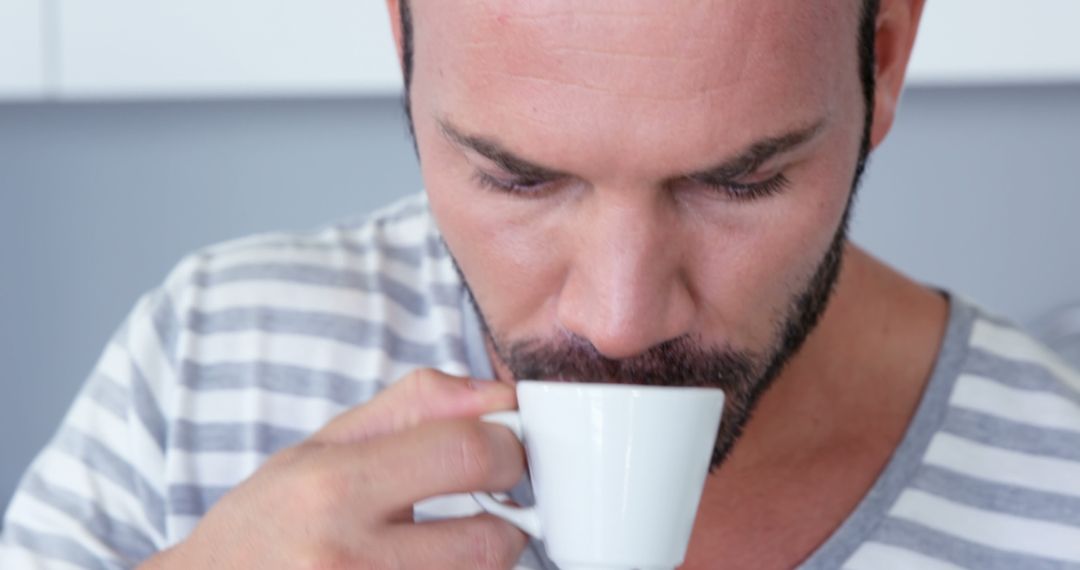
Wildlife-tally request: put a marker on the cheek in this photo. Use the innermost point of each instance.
(514, 261)
(747, 285)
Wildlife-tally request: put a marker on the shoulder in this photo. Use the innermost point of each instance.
(1023, 369)
(998, 481)
(393, 256)
(1011, 429)
(358, 301)
(399, 241)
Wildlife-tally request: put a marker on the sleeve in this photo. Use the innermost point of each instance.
(95, 497)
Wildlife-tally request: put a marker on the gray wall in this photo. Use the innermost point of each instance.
(975, 190)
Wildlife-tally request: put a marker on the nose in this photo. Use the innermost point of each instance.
(627, 289)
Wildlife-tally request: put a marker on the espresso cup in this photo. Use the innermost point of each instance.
(617, 470)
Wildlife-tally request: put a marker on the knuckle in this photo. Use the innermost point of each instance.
(422, 382)
(472, 457)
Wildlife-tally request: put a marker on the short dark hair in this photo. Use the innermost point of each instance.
(866, 48)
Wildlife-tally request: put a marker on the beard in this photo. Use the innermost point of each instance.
(744, 376)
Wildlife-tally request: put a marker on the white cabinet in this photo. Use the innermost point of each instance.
(136, 49)
(179, 48)
(22, 74)
(989, 42)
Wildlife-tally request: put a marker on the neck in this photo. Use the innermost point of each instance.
(823, 432)
(860, 374)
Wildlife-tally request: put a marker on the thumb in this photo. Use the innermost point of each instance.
(421, 396)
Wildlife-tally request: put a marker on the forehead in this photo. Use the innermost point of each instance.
(685, 69)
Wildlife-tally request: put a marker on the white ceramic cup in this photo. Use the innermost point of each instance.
(617, 470)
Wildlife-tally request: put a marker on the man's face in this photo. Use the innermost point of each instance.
(640, 191)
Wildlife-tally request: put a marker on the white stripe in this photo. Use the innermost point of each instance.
(302, 351)
(128, 439)
(1015, 345)
(147, 353)
(877, 556)
(1004, 466)
(89, 418)
(182, 525)
(249, 405)
(115, 364)
(14, 556)
(373, 261)
(989, 528)
(1042, 409)
(375, 307)
(43, 518)
(68, 473)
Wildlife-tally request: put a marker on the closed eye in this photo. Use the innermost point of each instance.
(512, 185)
(747, 191)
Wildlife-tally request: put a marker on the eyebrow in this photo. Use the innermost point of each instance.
(494, 152)
(756, 154)
(739, 165)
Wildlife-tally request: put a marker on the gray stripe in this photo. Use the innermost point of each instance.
(109, 394)
(918, 538)
(307, 274)
(100, 459)
(987, 495)
(233, 437)
(194, 500)
(906, 460)
(279, 379)
(127, 540)
(56, 547)
(146, 408)
(357, 332)
(473, 338)
(1017, 374)
(166, 325)
(1014, 436)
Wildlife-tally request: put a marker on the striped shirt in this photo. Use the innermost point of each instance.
(252, 345)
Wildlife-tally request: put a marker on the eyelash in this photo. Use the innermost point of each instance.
(735, 191)
(751, 191)
(528, 188)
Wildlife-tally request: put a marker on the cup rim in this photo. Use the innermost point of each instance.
(610, 386)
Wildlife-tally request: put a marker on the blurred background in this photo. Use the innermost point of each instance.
(134, 131)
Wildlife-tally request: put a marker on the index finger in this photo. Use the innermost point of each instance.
(423, 395)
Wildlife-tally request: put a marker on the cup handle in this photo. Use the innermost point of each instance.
(525, 518)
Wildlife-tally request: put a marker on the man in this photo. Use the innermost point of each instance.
(643, 192)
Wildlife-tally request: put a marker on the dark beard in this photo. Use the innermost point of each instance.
(743, 376)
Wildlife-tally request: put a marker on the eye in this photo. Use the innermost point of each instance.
(746, 191)
(522, 186)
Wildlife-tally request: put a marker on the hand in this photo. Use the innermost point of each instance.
(343, 498)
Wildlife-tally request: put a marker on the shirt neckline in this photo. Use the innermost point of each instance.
(899, 469)
(906, 459)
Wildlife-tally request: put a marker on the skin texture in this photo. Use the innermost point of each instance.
(623, 250)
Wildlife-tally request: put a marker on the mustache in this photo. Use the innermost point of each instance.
(676, 362)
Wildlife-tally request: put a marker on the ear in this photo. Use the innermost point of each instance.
(896, 27)
(394, 7)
